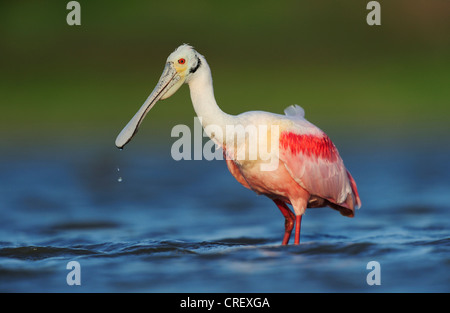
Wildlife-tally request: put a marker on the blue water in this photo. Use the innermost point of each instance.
(188, 226)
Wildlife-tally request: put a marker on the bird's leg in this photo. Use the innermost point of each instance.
(289, 220)
(298, 221)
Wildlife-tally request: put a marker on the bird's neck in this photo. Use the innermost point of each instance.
(205, 105)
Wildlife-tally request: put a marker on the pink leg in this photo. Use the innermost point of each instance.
(289, 220)
(298, 222)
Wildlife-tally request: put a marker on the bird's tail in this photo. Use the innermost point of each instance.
(357, 200)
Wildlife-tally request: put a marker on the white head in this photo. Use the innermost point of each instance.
(181, 66)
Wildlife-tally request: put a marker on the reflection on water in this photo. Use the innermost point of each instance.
(139, 221)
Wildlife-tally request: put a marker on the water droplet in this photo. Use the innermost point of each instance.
(120, 177)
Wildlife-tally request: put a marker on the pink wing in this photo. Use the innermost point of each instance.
(314, 163)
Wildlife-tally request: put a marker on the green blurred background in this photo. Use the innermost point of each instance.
(69, 83)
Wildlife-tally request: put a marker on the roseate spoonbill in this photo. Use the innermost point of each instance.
(310, 171)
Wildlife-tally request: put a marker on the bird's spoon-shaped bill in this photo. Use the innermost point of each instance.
(168, 79)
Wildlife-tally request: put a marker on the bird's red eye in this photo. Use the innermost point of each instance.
(181, 61)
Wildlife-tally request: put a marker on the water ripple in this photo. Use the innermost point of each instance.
(226, 246)
(39, 253)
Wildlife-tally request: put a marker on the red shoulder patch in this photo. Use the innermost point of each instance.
(309, 145)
